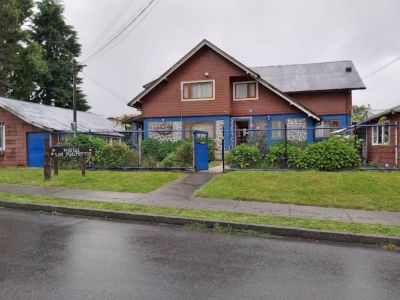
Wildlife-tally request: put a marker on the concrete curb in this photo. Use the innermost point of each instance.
(322, 235)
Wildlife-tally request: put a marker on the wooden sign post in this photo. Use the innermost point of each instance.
(47, 166)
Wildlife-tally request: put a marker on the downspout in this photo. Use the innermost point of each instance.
(396, 145)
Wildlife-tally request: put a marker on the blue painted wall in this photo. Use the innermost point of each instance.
(344, 121)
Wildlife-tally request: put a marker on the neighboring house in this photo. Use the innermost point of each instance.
(24, 126)
(380, 134)
(210, 90)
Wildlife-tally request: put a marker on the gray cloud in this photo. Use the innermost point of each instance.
(255, 32)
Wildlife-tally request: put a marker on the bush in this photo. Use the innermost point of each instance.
(157, 149)
(82, 140)
(117, 155)
(330, 155)
(170, 160)
(244, 156)
(276, 157)
(211, 150)
(184, 154)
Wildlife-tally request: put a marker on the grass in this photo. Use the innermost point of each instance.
(359, 190)
(118, 181)
(213, 164)
(389, 230)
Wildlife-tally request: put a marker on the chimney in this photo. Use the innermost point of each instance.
(348, 69)
(53, 102)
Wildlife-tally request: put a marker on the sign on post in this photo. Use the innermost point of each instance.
(84, 153)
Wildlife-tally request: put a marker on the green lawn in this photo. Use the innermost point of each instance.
(119, 181)
(359, 190)
(390, 230)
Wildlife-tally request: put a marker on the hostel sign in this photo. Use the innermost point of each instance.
(84, 152)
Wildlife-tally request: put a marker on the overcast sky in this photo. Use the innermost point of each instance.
(256, 32)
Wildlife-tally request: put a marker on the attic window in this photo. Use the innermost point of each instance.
(198, 90)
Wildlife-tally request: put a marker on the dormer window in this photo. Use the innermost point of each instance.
(246, 90)
(198, 90)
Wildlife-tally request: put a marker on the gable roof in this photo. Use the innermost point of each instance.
(51, 118)
(151, 85)
(386, 112)
(336, 75)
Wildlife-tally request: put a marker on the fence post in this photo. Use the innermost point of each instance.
(47, 166)
(223, 153)
(286, 149)
(55, 160)
(83, 166)
(140, 146)
(396, 145)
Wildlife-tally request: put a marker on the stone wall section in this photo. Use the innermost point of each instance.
(299, 135)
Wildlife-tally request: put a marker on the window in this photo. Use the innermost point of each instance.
(2, 136)
(278, 129)
(324, 128)
(203, 126)
(245, 90)
(198, 90)
(380, 135)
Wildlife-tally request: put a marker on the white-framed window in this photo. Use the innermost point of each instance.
(381, 135)
(202, 126)
(278, 129)
(2, 136)
(324, 128)
(198, 90)
(245, 90)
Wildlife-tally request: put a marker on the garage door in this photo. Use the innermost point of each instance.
(36, 149)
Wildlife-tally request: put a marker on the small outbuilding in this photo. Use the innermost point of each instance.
(24, 127)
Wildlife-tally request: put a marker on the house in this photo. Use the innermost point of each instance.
(208, 89)
(24, 126)
(380, 134)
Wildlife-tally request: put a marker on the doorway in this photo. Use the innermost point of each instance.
(242, 131)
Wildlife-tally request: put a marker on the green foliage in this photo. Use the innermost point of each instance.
(359, 113)
(211, 150)
(330, 155)
(244, 156)
(13, 15)
(60, 49)
(117, 155)
(157, 149)
(181, 157)
(276, 157)
(170, 160)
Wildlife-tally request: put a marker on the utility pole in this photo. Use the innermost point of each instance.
(75, 124)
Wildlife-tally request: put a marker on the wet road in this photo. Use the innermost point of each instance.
(57, 257)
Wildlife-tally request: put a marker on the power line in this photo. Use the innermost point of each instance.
(119, 14)
(382, 68)
(120, 98)
(121, 30)
(127, 34)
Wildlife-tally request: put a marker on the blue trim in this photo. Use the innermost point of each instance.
(344, 120)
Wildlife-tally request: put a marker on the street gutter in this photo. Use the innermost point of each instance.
(322, 235)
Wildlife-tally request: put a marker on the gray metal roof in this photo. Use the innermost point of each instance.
(386, 112)
(53, 118)
(312, 77)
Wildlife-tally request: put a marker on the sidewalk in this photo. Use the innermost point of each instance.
(180, 194)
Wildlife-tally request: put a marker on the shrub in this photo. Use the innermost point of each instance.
(158, 149)
(276, 157)
(170, 160)
(211, 150)
(184, 154)
(244, 156)
(117, 155)
(330, 155)
(82, 140)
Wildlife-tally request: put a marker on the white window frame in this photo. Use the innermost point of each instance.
(198, 81)
(3, 132)
(382, 127)
(244, 99)
(280, 131)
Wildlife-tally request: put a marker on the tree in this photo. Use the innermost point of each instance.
(60, 49)
(13, 15)
(359, 113)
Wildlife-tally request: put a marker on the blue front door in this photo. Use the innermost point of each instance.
(200, 139)
(36, 148)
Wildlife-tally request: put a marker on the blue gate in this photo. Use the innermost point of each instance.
(200, 140)
(36, 148)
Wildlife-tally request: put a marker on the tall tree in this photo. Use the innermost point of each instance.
(359, 113)
(13, 15)
(60, 49)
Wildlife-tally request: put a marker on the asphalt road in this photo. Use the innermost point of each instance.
(57, 257)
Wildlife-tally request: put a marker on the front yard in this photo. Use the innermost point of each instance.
(359, 190)
(118, 181)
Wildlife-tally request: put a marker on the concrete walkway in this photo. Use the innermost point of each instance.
(180, 194)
